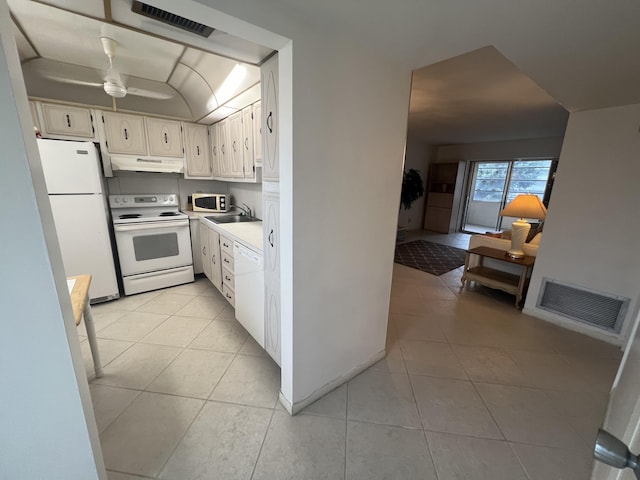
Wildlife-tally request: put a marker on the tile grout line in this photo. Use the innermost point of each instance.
(173, 450)
(264, 439)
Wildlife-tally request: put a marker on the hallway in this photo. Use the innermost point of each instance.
(470, 389)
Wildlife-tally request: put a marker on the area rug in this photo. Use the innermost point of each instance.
(429, 257)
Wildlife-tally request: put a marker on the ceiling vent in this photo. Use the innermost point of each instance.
(171, 19)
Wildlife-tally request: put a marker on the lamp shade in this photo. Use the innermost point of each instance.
(525, 206)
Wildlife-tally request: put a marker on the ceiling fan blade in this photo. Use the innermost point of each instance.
(72, 81)
(141, 92)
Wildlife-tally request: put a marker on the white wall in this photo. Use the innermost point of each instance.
(526, 148)
(47, 427)
(592, 232)
(343, 113)
(418, 156)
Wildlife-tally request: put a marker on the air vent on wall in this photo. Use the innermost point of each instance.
(602, 310)
(171, 19)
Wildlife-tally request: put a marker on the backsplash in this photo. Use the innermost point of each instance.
(141, 182)
(249, 193)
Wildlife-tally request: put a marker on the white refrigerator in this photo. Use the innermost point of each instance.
(74, 182)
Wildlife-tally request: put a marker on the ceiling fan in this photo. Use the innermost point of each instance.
(113, 83)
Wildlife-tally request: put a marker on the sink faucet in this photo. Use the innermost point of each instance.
(245, 209)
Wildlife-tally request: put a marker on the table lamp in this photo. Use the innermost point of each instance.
(523, 206)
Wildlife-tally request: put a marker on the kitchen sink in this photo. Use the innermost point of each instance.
(232, 219)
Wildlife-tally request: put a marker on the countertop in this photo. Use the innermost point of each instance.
(248, 233)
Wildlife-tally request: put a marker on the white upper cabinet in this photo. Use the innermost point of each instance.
(125, 133)
(165, 137)
(216, 154)
(271, 232)
(66, 121)
(236, 149)
(247, 142)
(197, 152)
(270, 153)
(223, 147)
(257, 133)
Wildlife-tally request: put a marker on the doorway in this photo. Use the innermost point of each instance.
(493, 184)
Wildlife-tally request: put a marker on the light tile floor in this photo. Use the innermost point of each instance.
(471, 388)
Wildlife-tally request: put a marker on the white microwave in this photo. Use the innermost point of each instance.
(209, 202)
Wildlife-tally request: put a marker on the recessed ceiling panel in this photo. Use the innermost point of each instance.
(93, 8)
(25, 50)
(194, 89)
(214, 69)
(247, 97)
(70, 38)
(217, 115)
(227, 78)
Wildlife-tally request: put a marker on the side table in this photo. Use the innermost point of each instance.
(490, 277)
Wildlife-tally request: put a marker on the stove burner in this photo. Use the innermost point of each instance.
(129, 215)
(168, 214)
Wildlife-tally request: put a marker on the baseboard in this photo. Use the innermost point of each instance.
(296, 407)
(575, 326)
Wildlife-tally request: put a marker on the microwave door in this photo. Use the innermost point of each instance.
(209, 203)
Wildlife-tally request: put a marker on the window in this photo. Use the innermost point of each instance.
(528, 176)
(518, 176)
(490, 181)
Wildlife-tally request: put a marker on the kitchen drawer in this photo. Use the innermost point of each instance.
(226, 245)
(227, 259)
(228, 278)
(229, 295)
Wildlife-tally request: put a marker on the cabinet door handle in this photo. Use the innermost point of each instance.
(213, 259)
(166, 138)
(198, 150)
(126, 134)
(270, 122)
(234, 146)
(68, 120)
(271, 237)
(215, 150)
(204, 251)
(222, 148)
(246, 143)
(226, 261)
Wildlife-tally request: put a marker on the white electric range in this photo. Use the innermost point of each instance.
(153, 241)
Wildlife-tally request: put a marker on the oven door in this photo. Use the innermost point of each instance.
(153, 246)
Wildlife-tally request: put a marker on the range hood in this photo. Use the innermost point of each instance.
(147, 164)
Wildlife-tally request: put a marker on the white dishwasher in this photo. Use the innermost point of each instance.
(249, 290)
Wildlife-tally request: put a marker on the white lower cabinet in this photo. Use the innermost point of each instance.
(194, 227)
(272, 336)
(214, 258)
(271, 232)
(227, 269)
(210, 254)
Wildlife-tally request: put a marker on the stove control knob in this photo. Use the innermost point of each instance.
(116, 200)
(124, 200)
